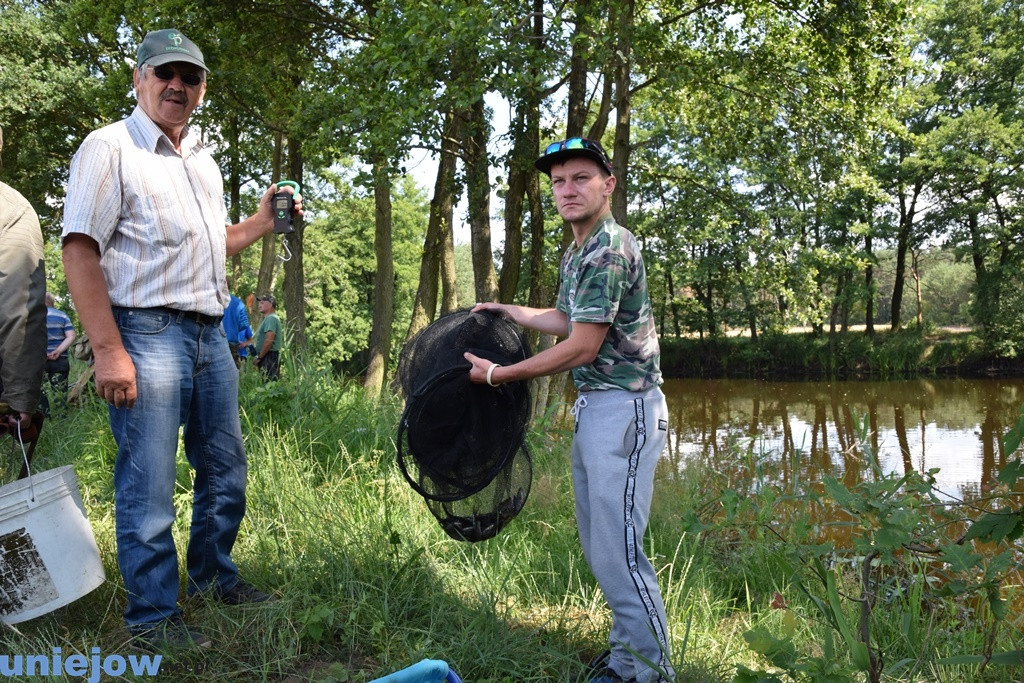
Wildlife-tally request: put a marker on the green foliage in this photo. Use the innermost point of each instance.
(46, 105)
(906, 564)
(341, 266)
(886, 355)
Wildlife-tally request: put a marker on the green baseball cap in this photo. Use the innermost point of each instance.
(169, 45)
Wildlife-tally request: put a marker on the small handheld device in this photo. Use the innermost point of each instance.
(283, 204)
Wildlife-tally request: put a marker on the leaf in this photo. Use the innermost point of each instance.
(839, 493)
(745, 675)
(1012, 657)
(858, 650)
(997, 526)
(1013, 470)
(779, 651)
(888, 537)
(996, 604)
(960, 557)
(1012, 438)
(790, 621)
(691, 523)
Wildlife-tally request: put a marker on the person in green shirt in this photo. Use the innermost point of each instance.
(269, 337)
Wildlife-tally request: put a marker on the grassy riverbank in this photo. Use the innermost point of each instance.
(800, 354)
(368, 583)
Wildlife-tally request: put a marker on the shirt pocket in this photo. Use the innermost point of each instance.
(161, 220)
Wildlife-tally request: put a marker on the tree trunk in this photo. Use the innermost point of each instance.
(521, 173)
(449, 287)
(538, 295)
(520, 168)
(478, 188)
(672, 302)
(383, 283)
(623, 109)
(902, 244)
(915, 266)
(234, 194)
(985, 304)
(265, 279)
(869, 287)
(294, 273)
(908, 209)
(425, 306)
(577, 101)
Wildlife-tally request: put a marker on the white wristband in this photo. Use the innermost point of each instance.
(489, 371)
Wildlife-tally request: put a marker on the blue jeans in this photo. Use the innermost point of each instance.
(185, 376)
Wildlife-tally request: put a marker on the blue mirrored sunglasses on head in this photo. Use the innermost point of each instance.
(166, 73)
(573, 143)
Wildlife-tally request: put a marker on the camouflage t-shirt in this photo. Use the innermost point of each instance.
(604, 281)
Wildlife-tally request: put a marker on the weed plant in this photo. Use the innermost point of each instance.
(367, 582)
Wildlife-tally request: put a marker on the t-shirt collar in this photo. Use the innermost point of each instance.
(601, 222)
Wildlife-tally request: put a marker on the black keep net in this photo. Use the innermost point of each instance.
(462, 445)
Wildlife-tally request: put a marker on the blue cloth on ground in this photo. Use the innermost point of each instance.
(426, 671)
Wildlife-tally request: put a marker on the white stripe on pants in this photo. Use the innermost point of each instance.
(619, 438)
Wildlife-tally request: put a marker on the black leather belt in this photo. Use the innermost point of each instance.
(191, 315)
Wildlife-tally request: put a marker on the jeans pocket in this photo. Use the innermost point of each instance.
(142, 321)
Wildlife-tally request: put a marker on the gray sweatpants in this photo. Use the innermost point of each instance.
(619, 437)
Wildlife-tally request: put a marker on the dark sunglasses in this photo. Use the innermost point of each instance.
(166, 73)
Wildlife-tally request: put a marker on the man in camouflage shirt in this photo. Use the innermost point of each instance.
(603, 313)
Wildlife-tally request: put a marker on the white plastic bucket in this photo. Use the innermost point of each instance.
(48, 555)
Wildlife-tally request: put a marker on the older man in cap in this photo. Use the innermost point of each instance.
(145, 247)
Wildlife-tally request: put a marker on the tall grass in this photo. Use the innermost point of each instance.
(367, 582)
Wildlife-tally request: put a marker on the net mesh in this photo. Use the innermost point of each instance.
(462, 445)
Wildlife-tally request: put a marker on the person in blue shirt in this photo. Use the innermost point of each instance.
(237, 329)
(60, 334)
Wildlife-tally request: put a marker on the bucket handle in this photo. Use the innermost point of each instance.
(24, 455)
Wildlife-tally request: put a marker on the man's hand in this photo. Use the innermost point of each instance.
(478, 373)
(267, 201)
(241, 235)
(21, 425)
(506, 311)
(115, 378)
(53, 355)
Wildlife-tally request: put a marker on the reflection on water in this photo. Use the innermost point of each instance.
(952, 424)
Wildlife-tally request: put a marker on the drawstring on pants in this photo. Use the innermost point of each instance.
(577, 408)
(580, 404)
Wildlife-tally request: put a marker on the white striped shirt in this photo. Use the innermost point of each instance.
(158, 216)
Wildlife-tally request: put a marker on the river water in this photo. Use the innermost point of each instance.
(819, 428)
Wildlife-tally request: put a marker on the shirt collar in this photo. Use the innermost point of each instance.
(151, 134)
